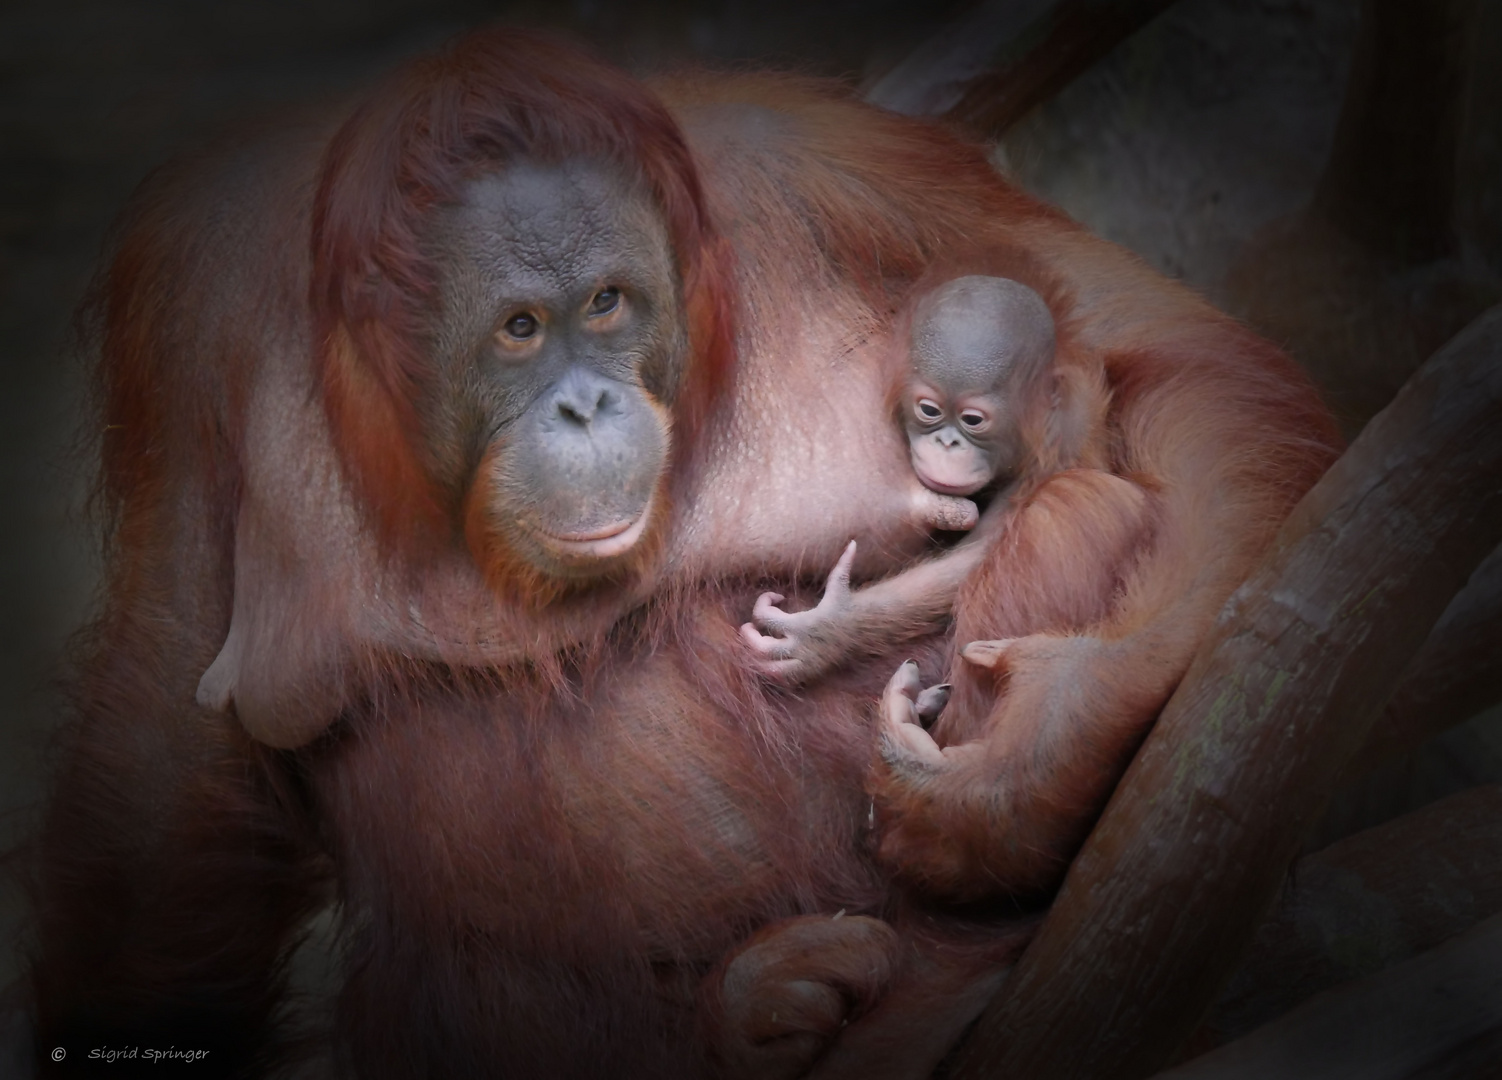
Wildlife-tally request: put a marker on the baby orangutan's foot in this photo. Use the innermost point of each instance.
(907, 710)
(1002, 815)
(921, 792)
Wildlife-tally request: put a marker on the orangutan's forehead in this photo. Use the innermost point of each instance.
(540, 214)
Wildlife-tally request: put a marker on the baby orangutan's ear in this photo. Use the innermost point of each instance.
(1067, 424)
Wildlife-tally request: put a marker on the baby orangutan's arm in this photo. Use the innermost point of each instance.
(798, 647)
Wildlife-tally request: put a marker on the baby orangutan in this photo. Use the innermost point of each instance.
(986, 409)
(989, 407)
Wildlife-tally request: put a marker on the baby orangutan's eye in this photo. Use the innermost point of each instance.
(928, 410)
(974, 420)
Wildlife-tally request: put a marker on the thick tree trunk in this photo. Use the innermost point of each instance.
(1189, 855)
(1364, 904)
(1445, 1008)
(1457, 674)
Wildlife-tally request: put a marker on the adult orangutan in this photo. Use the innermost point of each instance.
(446, 445)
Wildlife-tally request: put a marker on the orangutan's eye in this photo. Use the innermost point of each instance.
(605, 301)
(928, 410)
(974, 420)
(521, 327)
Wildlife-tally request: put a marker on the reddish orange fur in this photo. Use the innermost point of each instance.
(1060, 562)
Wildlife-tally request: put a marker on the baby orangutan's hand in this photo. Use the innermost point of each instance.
(796, 647)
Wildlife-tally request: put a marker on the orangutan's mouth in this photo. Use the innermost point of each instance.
(605, 542)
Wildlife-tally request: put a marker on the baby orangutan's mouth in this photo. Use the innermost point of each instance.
(950, 470)
(948, 485)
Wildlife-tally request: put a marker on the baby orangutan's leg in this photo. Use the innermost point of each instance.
(1047, 707)
(1004, 813)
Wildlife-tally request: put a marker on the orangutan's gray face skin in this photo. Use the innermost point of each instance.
(560, 345)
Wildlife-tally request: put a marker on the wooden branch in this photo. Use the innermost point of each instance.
(1188, 857)
(1441, 1011)
(1366, 903)
(988, 69)
(1455, 676)
(1390, 181)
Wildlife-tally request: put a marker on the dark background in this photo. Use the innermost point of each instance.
(1198, 143)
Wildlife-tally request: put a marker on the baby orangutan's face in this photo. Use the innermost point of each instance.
(981, 347)
(959, 441)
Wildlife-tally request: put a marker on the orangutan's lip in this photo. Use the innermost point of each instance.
(603, 543)
(598, 534)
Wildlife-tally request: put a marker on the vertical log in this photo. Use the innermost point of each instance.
(1390, 180)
